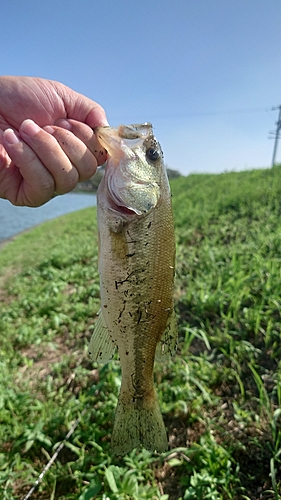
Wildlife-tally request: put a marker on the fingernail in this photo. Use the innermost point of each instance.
(49, 129)
(64, 124)
(10, 136)
(29, 127)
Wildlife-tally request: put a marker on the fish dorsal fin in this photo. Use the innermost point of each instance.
(168, 342)
(101, 347)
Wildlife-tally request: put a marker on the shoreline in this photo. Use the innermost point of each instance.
(29, 219)
(14, 236)
(8, 240)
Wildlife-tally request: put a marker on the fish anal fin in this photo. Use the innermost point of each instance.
(168, 342)
(101, 347)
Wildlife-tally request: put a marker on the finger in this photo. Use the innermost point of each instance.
(79, 107)
(76, 151)
(86, 135)
(51, 155)
(35, 184)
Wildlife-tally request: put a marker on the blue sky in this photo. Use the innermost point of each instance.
(205, 72)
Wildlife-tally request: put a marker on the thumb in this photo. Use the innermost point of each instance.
(81, 108)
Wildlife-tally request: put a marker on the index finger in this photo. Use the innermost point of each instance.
(86, 135)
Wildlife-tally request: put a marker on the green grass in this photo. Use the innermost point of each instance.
(220, 394)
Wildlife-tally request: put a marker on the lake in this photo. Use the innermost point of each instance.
(13, 219)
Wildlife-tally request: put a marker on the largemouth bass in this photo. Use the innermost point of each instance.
(136, 267)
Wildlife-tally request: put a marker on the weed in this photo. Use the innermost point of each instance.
(220, 394)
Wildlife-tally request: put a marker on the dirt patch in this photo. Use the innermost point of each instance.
(44, 361)
(42, 365)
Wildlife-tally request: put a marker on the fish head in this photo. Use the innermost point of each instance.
(135, 175)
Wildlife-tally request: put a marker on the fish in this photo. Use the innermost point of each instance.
(136, 269)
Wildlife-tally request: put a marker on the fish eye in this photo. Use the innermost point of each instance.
(152, 154)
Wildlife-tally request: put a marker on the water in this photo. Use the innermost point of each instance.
(13, 219)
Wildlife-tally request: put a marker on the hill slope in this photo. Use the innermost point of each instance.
(220, 394)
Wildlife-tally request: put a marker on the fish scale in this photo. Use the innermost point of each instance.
(136, 267)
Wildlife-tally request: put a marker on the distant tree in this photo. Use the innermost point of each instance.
(95, 180)
(172, 174)
(93, 183)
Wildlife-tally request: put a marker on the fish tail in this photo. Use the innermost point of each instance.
(137, 423)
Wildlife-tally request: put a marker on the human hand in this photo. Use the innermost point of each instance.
(47, 143)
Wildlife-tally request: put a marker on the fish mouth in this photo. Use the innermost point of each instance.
(135, 131)
(122, 210)
(130, 189)
(111, 137)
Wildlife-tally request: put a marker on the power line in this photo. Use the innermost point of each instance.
(192, 114)
(276, 134)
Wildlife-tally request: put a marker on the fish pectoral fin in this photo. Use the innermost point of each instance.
(168, 342)
(101, 347)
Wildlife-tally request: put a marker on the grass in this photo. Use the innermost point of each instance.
(220, 394)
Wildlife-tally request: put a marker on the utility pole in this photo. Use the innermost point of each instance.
(278, 128)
